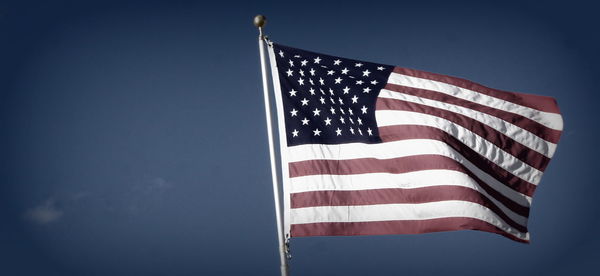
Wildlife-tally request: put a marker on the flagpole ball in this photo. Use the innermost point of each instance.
(260, 21)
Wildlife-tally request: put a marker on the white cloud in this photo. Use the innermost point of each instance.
(80, 195)
(147, 195)
(44, 213)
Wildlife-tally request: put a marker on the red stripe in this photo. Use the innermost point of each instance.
(372, 165)
(396, 196)
(542, 103)
(405, 132)
(521, 152)
(408, 164)
(546, 133)
(395, 227)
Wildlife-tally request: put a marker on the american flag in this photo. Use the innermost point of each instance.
(371, 149)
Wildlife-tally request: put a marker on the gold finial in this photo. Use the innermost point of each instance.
(260, 21)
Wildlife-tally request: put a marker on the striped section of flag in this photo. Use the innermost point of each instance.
(440, 154)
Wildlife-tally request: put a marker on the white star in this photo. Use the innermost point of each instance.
(293, 92)
(341, 110)
(332, 100)
(359, 121)
(331, 91)
(321, 91)
(327, 121)
(366, 90)
(297, 56)
(342, 120)
(380, 68)
(358, 65)
(311, 81)
(295, 133)
(294, 112)
(305, 121)
(281, 53)
(341, 101)
(322, 100)
(354, 99)
(370, 131)
(312, 91)
(317, 60)
(338, 131)
(317, 132)
(337, 62)
(338, 80)
(304, 101)
(366, 73)
(346, 89)
(321, 81)
(301, 81)
(317, 112)
(301, 73)
(359, 131)
(351, 130)
(332, 110)
(289, 72)
(312, 72)
(359, 82)
(303, 63)
(364, 110)
(350, 111)
(291, 63)
(351, 121)
(374, 82)
(330, 72)
(345, 71)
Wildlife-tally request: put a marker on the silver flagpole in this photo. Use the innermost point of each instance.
(259, 21)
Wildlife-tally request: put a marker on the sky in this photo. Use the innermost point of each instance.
(133, 140)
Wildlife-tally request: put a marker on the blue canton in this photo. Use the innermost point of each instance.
(327, 99)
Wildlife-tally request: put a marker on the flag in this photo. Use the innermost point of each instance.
(373, 149)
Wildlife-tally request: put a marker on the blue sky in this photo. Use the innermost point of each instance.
(133, 139)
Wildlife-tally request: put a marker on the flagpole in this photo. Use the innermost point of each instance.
(259, 22)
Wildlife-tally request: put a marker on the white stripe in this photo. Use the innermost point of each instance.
(400, 149)
(477, 143)
(516, 133)
(410, 180)
(390, 212)
(406, 180)
(551, 120)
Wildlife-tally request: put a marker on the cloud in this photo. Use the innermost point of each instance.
(139, 198)
(154, 186)
(147, 195)
(80, 195)
(161, 182)
(44, 213)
